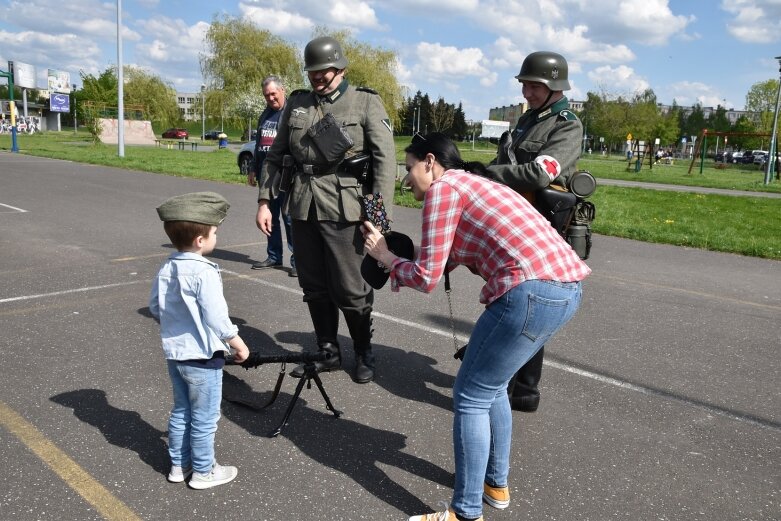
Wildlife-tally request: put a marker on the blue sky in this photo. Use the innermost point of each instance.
(706, 51)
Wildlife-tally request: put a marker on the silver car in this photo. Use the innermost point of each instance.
(246, 157)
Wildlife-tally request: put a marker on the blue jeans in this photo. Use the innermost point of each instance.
(274, 248)
(196, 410)
(508, 333)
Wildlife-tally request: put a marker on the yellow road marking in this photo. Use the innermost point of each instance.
(111, 508)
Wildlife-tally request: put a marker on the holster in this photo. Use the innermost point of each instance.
(557, 206)
(283, 181)
(360, 167)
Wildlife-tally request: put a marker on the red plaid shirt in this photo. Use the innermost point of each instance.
(492, 230)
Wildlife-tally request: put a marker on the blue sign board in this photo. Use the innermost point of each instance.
(59, 103)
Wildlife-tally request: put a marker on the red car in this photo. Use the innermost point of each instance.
(176, 133)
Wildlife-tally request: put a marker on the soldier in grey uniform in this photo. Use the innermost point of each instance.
(325, 197)
(543, 149)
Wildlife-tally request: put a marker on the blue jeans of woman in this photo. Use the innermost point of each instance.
(508, 333)
(194, 416)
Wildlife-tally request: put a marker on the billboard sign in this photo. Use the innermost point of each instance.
(493, 129)
(59, 81)
(60, 103)
(24, 75)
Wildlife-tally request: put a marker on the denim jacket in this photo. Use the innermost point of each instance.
(187, 299)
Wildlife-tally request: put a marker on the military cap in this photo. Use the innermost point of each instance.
(374, 273)
(197, 207)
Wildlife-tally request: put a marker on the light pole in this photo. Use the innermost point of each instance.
(75, 120)
(120, 86)
(771, 160)
(203, 111)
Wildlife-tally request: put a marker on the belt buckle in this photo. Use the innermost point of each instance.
(308, 169)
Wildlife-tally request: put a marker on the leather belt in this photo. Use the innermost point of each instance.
(315, 169)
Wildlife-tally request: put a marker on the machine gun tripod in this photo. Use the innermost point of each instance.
(310, 373)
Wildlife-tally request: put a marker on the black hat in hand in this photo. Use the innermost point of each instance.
(373, 271)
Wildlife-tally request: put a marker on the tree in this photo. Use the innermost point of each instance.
(149, 91)
(442, 116)
(240, 55)
(694, 122)
(460, 128)
(249, 104)
(761, 99)
(156, 99)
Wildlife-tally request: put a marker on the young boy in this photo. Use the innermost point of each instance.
(195, 327)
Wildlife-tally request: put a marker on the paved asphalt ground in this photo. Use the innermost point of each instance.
(660, 401)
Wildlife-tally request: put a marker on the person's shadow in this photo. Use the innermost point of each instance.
(122, 428)
(355, 450)
(409, 384)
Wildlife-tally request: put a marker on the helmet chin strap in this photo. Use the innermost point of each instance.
(328, 87)
(544, 103)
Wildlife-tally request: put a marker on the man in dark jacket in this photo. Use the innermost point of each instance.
(274, 92)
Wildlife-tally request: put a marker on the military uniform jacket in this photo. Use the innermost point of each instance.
(336, 194)
(555, 133)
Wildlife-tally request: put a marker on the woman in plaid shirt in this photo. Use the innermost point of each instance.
(532, 288)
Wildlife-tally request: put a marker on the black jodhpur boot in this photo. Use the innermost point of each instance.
(325, 319)
(360, 326)
(523, 387)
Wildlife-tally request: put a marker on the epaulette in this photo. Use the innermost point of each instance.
(300, 91)
(367, 89)
(568, 115)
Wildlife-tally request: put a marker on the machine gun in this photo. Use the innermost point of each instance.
(256, 359)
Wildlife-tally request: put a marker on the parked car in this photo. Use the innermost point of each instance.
(246, 157)
(176, 133)
(212, 134)
(736, 157)
(760, 157)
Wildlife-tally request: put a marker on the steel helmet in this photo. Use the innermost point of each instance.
(323, 53)
(547, 68)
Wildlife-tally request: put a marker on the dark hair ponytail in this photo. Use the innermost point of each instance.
(445, 152)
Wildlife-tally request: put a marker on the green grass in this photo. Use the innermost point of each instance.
(743, 225)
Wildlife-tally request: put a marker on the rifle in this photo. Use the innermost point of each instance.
(256, 359)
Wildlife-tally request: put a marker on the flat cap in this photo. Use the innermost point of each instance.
(197, 207)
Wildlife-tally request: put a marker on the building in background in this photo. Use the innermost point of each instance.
(188, 103)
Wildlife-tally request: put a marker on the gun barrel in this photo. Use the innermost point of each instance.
(255, 358)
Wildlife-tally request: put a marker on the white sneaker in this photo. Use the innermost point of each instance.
(446, 515)
(219, 475)
(179, 474)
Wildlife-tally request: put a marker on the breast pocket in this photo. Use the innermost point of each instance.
(352, 125)
(528, 150)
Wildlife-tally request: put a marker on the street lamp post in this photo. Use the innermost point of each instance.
(75, 120)
(771, 160)
(203, 111)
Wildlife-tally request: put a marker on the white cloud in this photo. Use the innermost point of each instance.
(439, 61)
(80, 17)
(405, 78)
(351, 13)
(754, 21)
(618, 80)
(65, 52)
(278, 21)
(688, 93)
